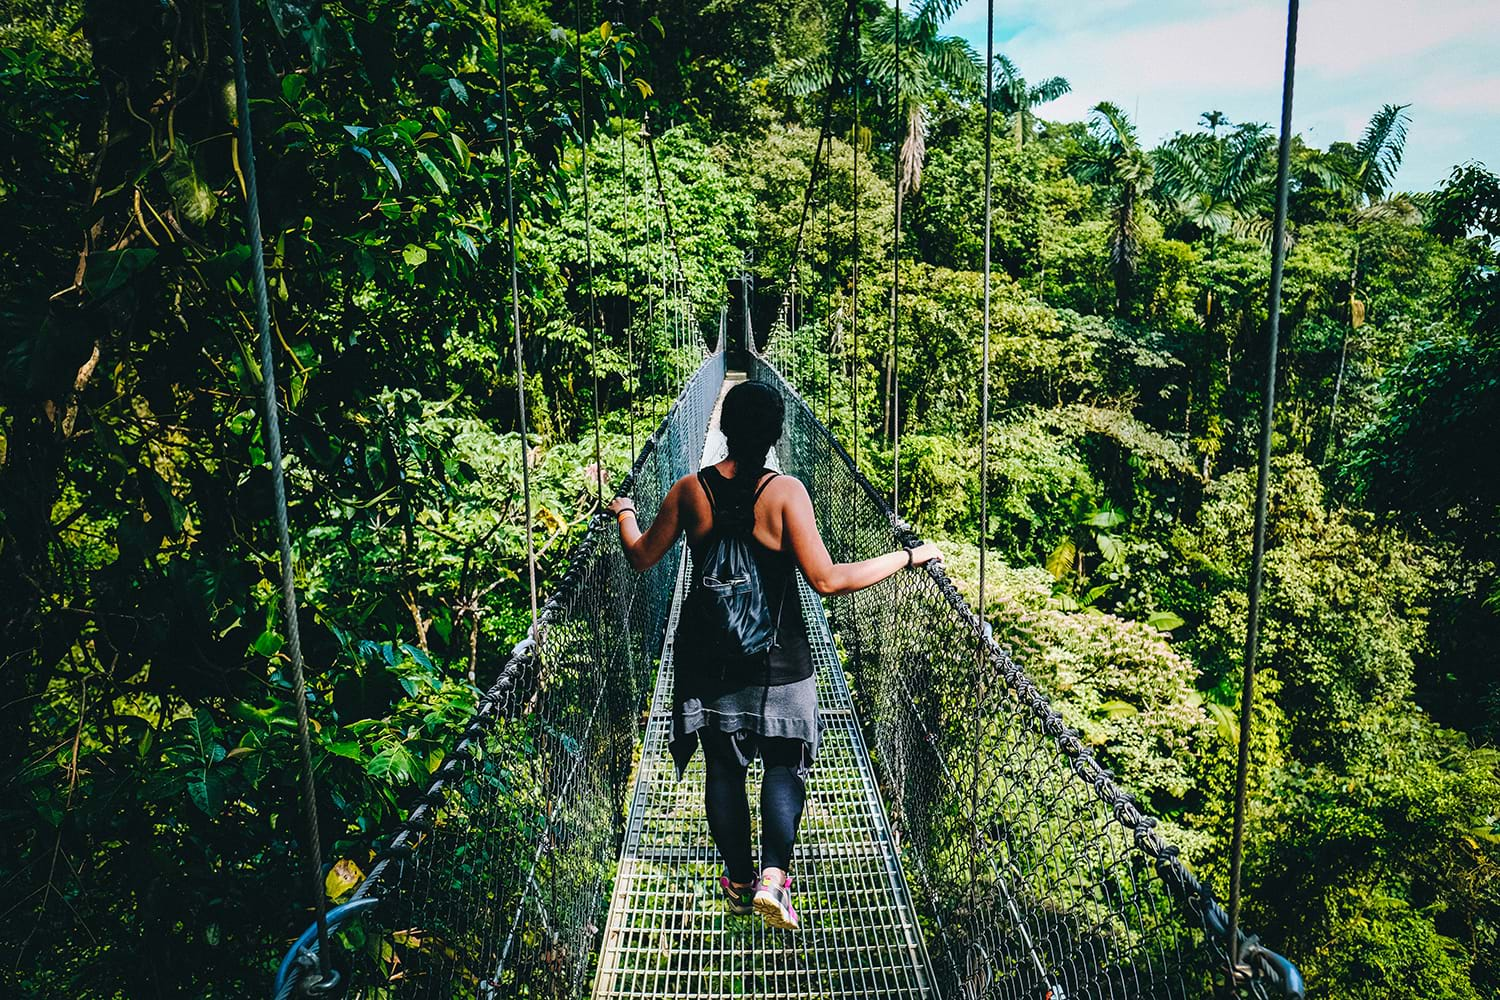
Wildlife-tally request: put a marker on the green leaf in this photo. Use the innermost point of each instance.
(1060, 562)
(466, 244)
(1111, 548)
(292, 87)
(160, 502)
(394, 763)
(220, 268)
(1104, 519)
(268, 644)
(341, 879)
(1226, 723)
(390, 168)
(107, 270)
(459, 90)
(195, 199)
(1118, 709)
(350, 749)
(207, 789)
(1166, 621)
(414, 255)
(433, 172)
(461, 150)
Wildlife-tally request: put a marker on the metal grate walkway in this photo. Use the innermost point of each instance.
(667, 934)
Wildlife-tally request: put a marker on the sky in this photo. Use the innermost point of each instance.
(1165, 62)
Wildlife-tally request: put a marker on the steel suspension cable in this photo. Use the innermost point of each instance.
(625, 246)
(828, 304)
(651, 306)
(1262, 491)
(278, 485)
(893, 381)
(669, 232)
(588, 250)
(854, 284)
(515, 312)
(984, 379)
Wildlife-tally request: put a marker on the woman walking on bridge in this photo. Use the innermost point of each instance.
(744, 680)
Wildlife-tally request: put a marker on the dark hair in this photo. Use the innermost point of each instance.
(751, 420)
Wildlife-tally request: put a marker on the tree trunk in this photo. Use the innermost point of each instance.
(1338, 382)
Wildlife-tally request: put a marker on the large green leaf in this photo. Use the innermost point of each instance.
(107, 270)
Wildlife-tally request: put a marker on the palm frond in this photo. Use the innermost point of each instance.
(1183, 167)
(1008, 89)
(1254, 227)
(1247, 168)
(954, 63)
(1207, 214)
(1330, 172)
(1004, 71)
(878, 63)
(1049, 90)
(803, 75)
(914, 148)
(935, 12)
(1382, 147)
(1400, 207)
(1113, 127)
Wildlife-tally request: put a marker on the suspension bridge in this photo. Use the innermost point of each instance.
(960, 840)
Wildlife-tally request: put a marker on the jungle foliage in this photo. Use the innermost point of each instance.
(153, 842)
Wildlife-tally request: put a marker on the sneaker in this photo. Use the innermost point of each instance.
(737, 899)
(774, 903)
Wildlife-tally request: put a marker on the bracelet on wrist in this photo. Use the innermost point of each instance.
(910, 559)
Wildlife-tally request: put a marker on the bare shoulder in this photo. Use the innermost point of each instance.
(786, 489)
(687, 486)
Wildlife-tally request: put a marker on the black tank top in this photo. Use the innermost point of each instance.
(790, 659)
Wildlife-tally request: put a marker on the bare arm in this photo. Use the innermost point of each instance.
(800, 532)
(644, 549)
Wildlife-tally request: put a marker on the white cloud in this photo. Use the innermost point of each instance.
(1169, 61)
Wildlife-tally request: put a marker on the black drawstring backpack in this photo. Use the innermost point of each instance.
(726, 615)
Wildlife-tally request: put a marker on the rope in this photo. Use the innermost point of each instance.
(651, 306)
(828, 308)
(1262, 492)
(588, 249)
(515, 314)
(625, 249)
(669, 233)
(893, 387)
(854, 284)
(278, 483)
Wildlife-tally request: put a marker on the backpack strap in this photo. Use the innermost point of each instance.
(713, 505)
(762, 487)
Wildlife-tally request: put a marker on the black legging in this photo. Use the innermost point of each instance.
(781, 797)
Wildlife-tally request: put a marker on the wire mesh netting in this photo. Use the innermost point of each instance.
(495, 884)
(1036, 875)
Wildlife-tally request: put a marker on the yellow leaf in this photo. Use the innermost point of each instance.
(341, 879)
(604, 30)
